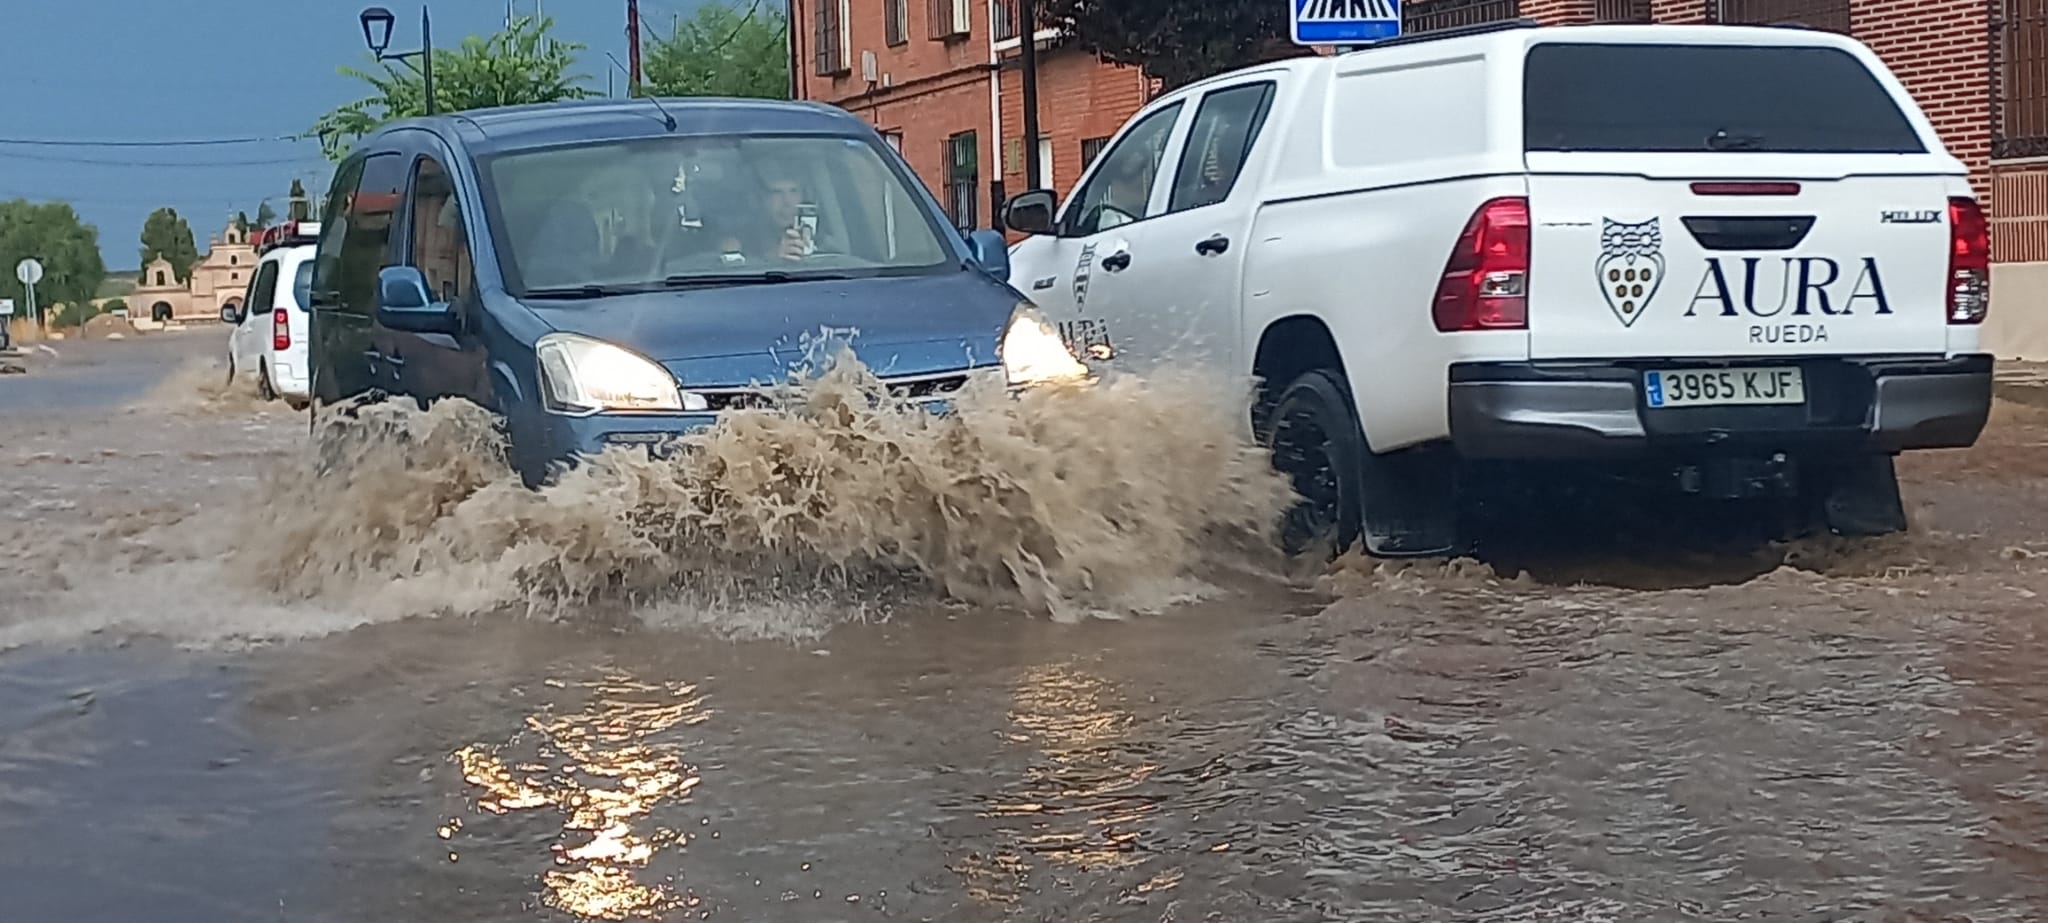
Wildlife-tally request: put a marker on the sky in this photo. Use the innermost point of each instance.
(144, 71)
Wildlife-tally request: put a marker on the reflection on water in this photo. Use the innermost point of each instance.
(1085, 805)
(604, 771)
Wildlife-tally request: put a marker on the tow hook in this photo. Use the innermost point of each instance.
(1740, 478)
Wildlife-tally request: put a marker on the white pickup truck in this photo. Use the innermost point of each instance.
(1733, 261)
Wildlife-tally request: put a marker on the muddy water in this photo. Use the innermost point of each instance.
(190, 729)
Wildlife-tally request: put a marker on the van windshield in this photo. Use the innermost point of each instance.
(1719, 98)
(641, 214)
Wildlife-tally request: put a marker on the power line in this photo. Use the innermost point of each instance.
(183, 142)
(101, 162)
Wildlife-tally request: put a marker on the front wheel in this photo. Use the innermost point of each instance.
(1317, 443)
(264, 389)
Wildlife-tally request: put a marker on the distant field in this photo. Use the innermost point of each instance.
(118, 284)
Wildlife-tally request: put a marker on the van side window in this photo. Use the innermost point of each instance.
(355, 235)
(1226, 124)
(1121, 189)
(262, 291)
(440, 247)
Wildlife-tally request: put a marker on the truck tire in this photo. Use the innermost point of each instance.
(1317, 443)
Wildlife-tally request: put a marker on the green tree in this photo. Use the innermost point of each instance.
(165, 233)
(722, 51)
(520, 64)
(265, 215)
(242, 222)
(1177, 41)
(68, 248)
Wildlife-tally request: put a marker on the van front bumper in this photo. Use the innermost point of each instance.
(559, 440)
(1596, 409)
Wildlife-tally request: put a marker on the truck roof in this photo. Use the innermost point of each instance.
(1519, 34)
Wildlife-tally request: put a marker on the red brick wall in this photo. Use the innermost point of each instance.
(1679, 12)
(1558, 12)
(1939, 50)
(935, 88)
(1079, 97)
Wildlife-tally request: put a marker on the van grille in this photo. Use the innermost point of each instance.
(908, 387)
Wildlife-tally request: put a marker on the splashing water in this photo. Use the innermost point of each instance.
(1070, 501)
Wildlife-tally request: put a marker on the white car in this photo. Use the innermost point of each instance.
(1733, 262)
(268, 344)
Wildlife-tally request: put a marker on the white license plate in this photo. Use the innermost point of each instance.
(1717, 387)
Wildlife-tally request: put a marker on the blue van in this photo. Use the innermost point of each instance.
(621, 271)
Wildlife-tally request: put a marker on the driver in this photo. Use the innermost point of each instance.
(773, 230)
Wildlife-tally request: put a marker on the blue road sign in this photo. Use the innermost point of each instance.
(1344, 22)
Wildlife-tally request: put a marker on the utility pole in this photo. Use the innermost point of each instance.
(1027, 27)
(633, 47)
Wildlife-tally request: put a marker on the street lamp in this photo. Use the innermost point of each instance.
(377, 34)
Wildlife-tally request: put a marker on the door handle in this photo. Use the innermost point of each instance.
(1215, 244)
(1117, 262)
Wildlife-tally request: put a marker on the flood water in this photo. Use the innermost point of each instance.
(233, 690)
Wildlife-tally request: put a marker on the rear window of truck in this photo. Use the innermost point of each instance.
(1726, 98)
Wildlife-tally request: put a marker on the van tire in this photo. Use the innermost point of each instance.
(1316, 442)
(264, 389)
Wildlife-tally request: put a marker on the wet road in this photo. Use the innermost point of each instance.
(1853, 735)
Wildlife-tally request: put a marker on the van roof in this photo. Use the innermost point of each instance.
(504, 128)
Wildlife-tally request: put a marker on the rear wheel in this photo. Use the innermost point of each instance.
(1317, 443)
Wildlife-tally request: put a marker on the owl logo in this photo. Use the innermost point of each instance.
(1630, 268)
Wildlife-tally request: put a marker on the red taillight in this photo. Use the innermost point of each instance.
(1969, 262)
(1485, 285)
(280, 329)
(1745, 189)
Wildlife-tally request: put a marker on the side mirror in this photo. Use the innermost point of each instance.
(230, 314)
(1030, 212)
(403, 303)
(992, 252)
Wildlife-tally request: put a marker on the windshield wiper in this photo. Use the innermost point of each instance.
(764, 277)
(578, 291)
(1721, 140)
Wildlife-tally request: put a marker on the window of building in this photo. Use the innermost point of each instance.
(1003, 19)
(160, 277)
(1091, 148)
(231, 259)
(1831, 15)
(440, 249)
(830, 39)
(949, 18)
(1431, 15)
(2020, 106)
(1621, 11)
(963, 179)
(895, 21)
(234, 276)
(894, 139)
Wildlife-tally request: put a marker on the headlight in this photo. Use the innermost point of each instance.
(582, 376)
(1033, 353)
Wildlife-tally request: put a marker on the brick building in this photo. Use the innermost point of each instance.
(940, 79)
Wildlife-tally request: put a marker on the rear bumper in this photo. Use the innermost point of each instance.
(1560, 410)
